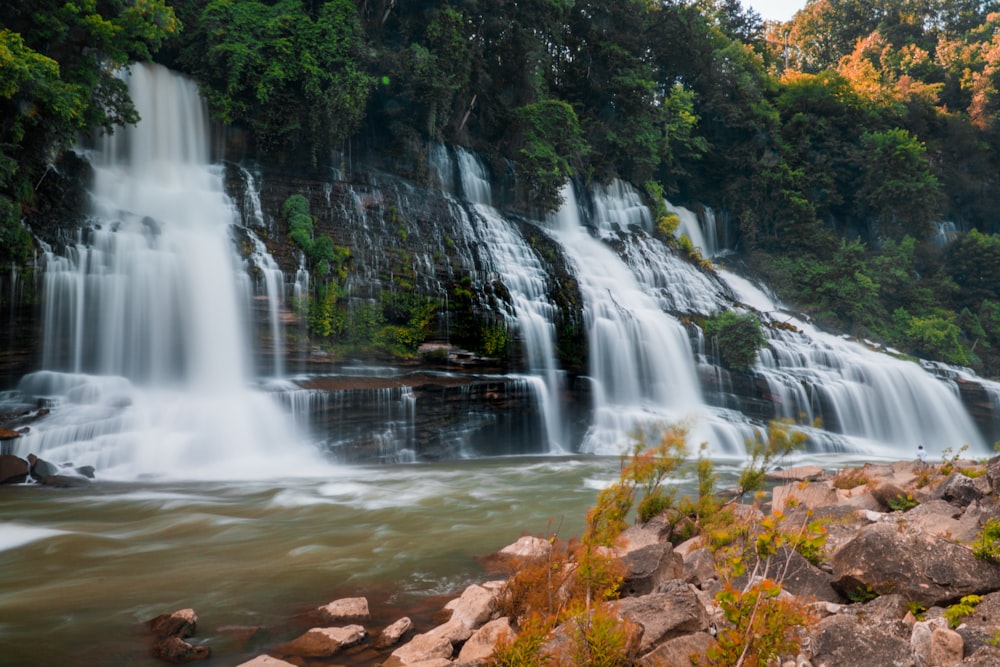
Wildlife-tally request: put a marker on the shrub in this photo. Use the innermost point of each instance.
(761, 625)
(849, 478)
(737, 337)
(987, 546)
(956, 612)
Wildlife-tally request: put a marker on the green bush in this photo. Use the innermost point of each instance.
(737, 336)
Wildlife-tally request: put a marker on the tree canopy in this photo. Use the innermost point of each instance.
(838, 143)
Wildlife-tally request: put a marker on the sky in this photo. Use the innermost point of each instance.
(775, 10)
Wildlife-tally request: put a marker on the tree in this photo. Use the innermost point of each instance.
(59, 64)
(294, 78)
(898, 192)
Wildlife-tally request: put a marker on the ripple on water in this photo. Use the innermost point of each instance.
(14, 535)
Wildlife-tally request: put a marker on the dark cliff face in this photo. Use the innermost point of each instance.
(404, 240)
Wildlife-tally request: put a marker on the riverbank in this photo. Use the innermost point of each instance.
(891, 583)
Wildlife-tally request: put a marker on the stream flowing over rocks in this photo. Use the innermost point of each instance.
(883, 591)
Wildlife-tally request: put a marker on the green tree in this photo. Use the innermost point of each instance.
(737, 336)
(294, 78)
(552, 142)
(898, 192)
(59, 64)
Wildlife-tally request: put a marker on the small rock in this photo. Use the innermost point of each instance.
(181, 623)
(346, 609)
(947, 648)
(393, 633)
(323, 642)
(176, 650)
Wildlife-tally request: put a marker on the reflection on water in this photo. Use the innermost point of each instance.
(84, 567)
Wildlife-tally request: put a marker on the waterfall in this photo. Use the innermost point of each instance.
(640, 359)
(146, 358)
(704, 237)
(877, 403)
(526, 279)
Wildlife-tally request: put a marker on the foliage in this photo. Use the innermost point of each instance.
(903, 503)
(597, 639)
(552, 142)
(737, 336)
(295, 78)
(956, 612)
(863, 593)
(781, 440)
(59, 65)
(849, 478)
(524, 650)
(987, 545)
(761, 625)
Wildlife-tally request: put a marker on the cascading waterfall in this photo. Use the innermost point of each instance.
(145, 353)
(872, 402)
(703, 231)
(640, 360)
(526, 280)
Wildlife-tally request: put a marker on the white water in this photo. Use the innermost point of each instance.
(146, 364)
(527, 282)
(641, 364)
(880, 404)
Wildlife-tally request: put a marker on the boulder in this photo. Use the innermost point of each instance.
(800, 576)
(40, 468)
(420, 649)
(181, 623)
(394, 632)
(480, 646)
(648, 567)
(638, 535)
(993, 475)
(474, 608)
(528, 547)
(941, 518)
(176, 650)
(673, 609)
(699, 566)
(323, 642)
(959, 490)
(345, 610)
(810, 495)
(846, 640)
(680, 651)
(13, 469)
(923, 568)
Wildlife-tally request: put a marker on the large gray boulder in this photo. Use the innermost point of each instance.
(924, 568)
(323, 642)
(648, 567)
(674, 609)
(848, 640)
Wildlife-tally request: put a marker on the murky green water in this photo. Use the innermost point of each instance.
(82, 568)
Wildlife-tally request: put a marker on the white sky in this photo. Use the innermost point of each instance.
(775, 10)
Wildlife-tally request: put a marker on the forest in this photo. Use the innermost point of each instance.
(854, 148)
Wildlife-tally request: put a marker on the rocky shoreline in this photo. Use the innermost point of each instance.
(898, 581)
